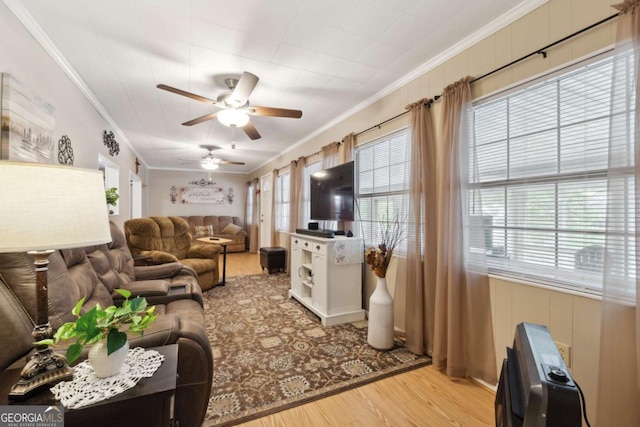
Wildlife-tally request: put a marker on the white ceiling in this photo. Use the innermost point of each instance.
(323, 57)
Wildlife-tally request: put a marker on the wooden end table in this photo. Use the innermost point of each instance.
(149, 403)
(222, 242)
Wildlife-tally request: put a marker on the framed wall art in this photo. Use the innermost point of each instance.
(27, 123)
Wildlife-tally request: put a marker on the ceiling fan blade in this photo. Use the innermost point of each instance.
(275, 112)
(251, 131)
(201, 119)
(187, 94)
(229, 162)
(243, 89)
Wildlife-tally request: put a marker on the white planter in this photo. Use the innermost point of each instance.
(107, 365)
(380, 329)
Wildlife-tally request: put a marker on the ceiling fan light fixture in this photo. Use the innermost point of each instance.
(210, 164)
(233, 117)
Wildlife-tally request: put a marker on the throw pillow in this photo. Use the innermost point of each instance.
(231, 229)
(204, 230)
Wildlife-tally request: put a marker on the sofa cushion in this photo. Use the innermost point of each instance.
(231, 229)
(203, 231)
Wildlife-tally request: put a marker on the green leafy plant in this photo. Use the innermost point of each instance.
(98, 324)
(112, 196)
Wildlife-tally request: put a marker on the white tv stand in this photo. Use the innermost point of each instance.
(326, 277)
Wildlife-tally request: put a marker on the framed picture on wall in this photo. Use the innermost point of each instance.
(27, 123)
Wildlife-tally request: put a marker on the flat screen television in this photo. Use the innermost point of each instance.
(332, 193)
(535, 387)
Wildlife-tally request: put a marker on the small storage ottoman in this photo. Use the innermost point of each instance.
(272, 258)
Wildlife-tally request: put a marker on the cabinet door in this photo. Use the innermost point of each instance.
(319, 294)
(296, 266)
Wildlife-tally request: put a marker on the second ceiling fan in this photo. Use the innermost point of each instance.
(235, 105)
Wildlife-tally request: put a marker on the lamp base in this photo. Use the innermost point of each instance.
(45, 369)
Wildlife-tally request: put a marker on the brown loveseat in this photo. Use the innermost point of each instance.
(167, 239)
(228, 227)
(92, 273)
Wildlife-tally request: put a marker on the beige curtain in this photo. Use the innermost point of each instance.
(295, 195)
(463, 333)
(619, 376)
(348, 148)
(421, 232)
(251, 215)
(274, 195)
(329, 155)
(346, 155)
(298, 196)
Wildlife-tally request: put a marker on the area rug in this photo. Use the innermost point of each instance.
(271, 353)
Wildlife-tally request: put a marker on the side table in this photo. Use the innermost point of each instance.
(222, 242)
(149, 403)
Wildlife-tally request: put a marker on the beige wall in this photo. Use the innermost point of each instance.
(75, 117)
(161, 181)
(572, 319)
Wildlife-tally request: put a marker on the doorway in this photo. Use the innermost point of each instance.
(265, 210)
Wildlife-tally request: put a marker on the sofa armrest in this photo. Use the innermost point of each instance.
(158, 271)
(143, 288)
(159, 257)
(208, 250)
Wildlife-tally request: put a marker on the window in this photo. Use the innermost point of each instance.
(540, 162)
(306, 201)
(382, 184)
(283, 197)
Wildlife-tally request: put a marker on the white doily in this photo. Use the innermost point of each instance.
(86, 389)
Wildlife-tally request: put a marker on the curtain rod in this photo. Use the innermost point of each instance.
(540, 51)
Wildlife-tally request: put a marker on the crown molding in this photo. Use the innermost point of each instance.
(27, 20)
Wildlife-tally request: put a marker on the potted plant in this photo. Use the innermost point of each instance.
(380, 332)
(112, 197)
(103, 329)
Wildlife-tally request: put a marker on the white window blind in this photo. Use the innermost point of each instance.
(540, 161)
(283, 195)
(382, 171)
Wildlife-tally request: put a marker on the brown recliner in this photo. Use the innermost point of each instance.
(168, 239)
(71, 276)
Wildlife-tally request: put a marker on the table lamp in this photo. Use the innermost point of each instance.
(43, 208)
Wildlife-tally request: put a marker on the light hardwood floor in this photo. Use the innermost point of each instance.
(422, 397)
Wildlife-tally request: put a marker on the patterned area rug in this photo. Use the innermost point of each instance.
(271, 353)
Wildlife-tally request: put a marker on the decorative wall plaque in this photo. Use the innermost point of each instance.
(110, 141)
(65, 152)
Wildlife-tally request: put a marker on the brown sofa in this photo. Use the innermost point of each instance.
(93, 273)
(167, 239)
(210, 225)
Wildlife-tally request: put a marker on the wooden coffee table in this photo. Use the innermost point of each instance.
(222, 242)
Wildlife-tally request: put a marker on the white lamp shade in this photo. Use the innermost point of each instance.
(51, 207)
(233, 117)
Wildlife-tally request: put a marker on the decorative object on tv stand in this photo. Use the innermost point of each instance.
(110, 141)
(48, 207)
(65, 152)
(380, 328)
(102, 328)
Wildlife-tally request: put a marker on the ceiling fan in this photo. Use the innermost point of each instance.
(235, 105)
(211, 162)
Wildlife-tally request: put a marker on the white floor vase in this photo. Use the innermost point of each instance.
(107, 365)
(380, 329)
